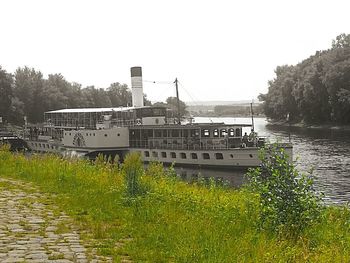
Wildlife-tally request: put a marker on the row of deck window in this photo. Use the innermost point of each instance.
(43, 145)
(194, 156)
(161, 133)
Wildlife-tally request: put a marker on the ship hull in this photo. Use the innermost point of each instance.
(227, 159)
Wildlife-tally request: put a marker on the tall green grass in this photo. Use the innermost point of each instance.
(170, 220)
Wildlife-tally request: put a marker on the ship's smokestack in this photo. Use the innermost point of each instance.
(136, 86)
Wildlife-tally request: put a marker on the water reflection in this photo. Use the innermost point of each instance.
(230, 178)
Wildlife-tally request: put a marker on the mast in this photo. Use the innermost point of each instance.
(251, 110)
(178, 101)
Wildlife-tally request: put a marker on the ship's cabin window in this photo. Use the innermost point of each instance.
(185, 133)
(183, 155)
(206, 156)
(173, 154)
(87, 134)
(216, 133)
(238, 132)
(231, 132)
(175, 133)
(155, 154)
(158, 133)
(223, 132)
(219, 156)
(194, 133)
(163, 154)
(146, 153)
(94, 134)
(205, 133)
(194, 156)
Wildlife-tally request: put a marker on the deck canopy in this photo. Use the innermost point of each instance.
(88, 117)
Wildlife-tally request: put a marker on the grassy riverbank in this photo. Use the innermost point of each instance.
(172, 221)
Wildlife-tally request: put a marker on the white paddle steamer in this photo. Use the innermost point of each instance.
(149, 131)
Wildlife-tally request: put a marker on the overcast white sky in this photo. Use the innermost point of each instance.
(219, 50)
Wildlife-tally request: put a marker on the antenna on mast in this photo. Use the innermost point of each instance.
(178, 101)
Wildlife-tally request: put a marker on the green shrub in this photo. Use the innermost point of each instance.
(288, 200)
(132, 169)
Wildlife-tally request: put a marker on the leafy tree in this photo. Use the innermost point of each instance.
(315, 90)
(29, 90)
(172, 104)
(6, 82)
(341, 41)
(96, 97)
(57, 89)
(119, 94)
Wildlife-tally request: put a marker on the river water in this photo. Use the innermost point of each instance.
(326, 152)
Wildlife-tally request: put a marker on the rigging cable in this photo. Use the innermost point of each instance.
(160, 94)
(193, 100)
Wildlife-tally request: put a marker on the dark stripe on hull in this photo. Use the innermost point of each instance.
(207, 166)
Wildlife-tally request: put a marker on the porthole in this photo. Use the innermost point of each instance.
(105, 134)
(118, 134)
(250, 155)
(231, 155)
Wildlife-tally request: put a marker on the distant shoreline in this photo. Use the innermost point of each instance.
(301, 125)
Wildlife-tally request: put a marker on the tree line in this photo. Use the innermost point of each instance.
(237, 110)
(316, 90)
(28, 93)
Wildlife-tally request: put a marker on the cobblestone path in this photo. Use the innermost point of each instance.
(32, 230)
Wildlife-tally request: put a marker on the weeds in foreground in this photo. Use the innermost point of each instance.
(173, 221)
(289, 203)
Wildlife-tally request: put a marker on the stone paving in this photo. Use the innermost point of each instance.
(32, 230)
